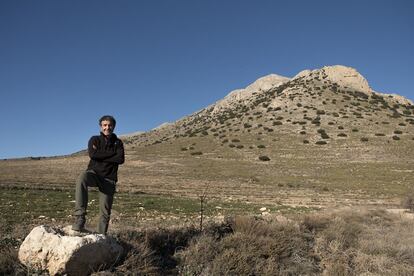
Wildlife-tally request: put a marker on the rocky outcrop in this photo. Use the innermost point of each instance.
(259, 86)
(60, 251)
(342, 75)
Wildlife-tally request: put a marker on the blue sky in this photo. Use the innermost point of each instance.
(63, 64)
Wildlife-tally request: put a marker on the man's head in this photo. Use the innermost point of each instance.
(107, 124)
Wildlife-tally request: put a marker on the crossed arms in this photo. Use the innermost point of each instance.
(113, 154)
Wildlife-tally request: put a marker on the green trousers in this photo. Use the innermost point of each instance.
(106, 189)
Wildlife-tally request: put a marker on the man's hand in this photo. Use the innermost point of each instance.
(94, 147)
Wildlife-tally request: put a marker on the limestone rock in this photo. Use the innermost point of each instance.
(342, 75)
(238, 96)
(60, 251)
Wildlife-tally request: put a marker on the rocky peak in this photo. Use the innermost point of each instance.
(342, 75)
(239, 95)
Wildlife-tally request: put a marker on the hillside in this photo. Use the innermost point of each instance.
(322, 138)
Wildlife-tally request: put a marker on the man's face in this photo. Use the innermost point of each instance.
(107, 128)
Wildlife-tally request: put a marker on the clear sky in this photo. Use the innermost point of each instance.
(63, 64)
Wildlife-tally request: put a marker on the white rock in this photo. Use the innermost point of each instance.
(239, 96)
(263, 209)
(61, 252)
(343, 75)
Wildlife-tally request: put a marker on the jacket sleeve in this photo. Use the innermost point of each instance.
(98, 153)
(119, 156)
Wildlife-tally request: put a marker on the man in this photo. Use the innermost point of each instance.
(106, 152)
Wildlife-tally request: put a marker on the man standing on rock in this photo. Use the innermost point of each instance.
(106, 152)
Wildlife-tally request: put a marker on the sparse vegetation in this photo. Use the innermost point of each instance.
(347, 171)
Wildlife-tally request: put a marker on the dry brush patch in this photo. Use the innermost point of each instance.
(345, 242)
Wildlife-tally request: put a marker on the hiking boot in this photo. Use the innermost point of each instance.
(79, 224)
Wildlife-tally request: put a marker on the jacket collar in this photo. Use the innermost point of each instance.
(111, 137)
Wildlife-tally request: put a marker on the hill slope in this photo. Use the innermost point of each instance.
(322, 138)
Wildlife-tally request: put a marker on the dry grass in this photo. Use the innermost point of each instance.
(151, 252)
(9, 263)
(10, 239)
(341, 243)
(254, 247)
(345, 242)
(408, 200)
(364, 243)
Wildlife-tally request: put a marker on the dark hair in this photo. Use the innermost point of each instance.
(107, 118)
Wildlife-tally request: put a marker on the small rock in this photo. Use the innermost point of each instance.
(263, 209)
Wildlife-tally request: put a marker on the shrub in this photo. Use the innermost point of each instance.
(408, 201)
(261, 146)
(264, 158)
(197, 153)
(321, 142)
(324, 136)
(254, 247)
(239, 146)
(379, 134)
(277, 123)
(395, 137)
(397, 132)
(364, 139)
(316, 121)
(306, 141)
(235, 140)
(9, 262)
(152, 252)
(231, 145)
(342, 135)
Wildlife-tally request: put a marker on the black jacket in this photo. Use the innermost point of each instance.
(107, 154)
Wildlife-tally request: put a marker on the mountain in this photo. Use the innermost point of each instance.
(335, 97)
(320, 139)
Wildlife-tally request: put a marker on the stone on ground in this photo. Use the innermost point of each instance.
(64, 251)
